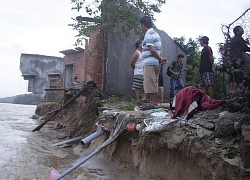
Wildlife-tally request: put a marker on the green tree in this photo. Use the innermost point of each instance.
(108, 14)
(29, 99)
(220, 81)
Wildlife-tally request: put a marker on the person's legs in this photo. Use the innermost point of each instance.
(207, 82)
(160, 84)
(144, 97)
(153, 99)
(162, 93)
(237, 82)
(148, 82)
(137, 95)
(161, 89)
(151, 74)
(137, 86)
(154, 96)
(180, 83)
(231, 80)
(203, 89)
(231, 88)
(235, 85)
(202, 82)
(172, 87)
(210, 91)
(244, 85)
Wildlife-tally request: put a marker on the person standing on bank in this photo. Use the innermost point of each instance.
(175, 69)
(137, 65)
(151, 55)
(238, 48)
(206, 67)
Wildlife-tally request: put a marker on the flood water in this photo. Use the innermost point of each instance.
(27, 155)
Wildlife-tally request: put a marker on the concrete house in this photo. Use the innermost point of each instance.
(41, 72)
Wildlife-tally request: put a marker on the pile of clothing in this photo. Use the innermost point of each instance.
(190, 99)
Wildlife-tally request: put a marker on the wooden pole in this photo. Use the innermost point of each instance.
(61, 108)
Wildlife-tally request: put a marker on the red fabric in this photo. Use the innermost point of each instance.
(210, 50)
(187, 95)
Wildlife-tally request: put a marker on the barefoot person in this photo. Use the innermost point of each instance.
(151, 55)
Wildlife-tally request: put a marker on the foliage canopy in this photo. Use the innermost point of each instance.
(108, 14)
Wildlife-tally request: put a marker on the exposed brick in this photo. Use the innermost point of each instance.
(88, 65)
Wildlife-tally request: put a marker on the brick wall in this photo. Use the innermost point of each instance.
(88, 65)
(77, 59)
(94, 55)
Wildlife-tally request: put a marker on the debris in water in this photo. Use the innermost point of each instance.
(53, 174)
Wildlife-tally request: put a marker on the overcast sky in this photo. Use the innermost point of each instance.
(41, 27)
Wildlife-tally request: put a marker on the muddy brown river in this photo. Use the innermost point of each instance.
(27, 155)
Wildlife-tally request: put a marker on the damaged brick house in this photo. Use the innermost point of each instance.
(113, 73)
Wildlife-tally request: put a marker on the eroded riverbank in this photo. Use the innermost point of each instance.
(181, 152)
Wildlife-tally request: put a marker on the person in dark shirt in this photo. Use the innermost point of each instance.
(206, 66)
(176, 69)
(239, 57)
(238, 47)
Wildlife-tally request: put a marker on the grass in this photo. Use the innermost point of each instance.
(206, 137)
(123, 103)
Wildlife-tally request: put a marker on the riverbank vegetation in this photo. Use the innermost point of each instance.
(28, 99)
